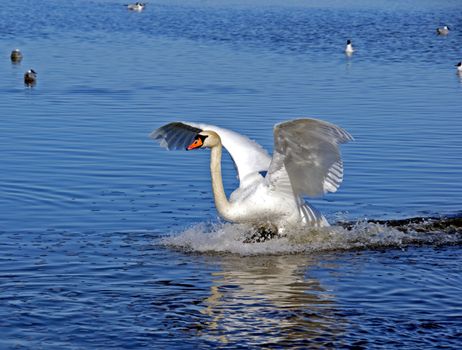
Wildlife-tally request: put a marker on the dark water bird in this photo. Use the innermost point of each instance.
(444, 30)
(137, 6)
(16, 56)
(306, 162)
(30, 77)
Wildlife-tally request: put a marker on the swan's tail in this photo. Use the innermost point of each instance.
(311, 216)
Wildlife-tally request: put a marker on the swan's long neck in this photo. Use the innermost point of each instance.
(221, 202)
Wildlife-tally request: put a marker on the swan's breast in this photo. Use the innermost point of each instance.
(258, 203)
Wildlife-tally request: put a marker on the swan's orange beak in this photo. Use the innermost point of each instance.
(196, 144)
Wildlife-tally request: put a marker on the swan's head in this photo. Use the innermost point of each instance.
(204, 139)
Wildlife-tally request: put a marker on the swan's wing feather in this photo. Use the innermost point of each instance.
(176, 135)
(277, 175)
(248, 156)
(306, 155)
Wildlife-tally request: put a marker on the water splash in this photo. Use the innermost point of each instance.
(239, 238)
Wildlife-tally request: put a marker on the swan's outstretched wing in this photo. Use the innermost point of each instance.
(176, 135)
(306, 158)
(248, 156)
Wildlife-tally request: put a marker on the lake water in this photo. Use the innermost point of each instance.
(108, 241)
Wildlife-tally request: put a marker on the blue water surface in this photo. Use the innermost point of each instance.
(88, 201)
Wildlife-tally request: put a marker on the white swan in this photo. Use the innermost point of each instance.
(306, 161)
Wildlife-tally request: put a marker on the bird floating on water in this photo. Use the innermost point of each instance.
(349, 48)
(459, 67)
(137, 6)
(443, 30)
(30, 77)
(306, 161)
(16, 56)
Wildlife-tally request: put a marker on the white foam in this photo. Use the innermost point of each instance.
(231, 238)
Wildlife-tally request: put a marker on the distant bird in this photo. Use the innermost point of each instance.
(349, 48)
(16, 56)
(30, 77)
(137, 6)
(459, 68)
(442, 30)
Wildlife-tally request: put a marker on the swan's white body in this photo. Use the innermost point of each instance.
(306, 161)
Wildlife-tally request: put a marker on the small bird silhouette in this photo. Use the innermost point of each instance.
(30, 77)
(16, 56)
(442, 30)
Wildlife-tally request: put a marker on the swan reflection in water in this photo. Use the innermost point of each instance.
(270, 300)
